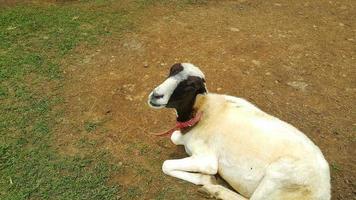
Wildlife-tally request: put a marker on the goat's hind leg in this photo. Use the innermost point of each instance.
(283, 179)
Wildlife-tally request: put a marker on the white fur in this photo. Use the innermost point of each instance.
(260, 156)
(190, 70)
(166, 89)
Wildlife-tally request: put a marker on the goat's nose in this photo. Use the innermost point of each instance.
(157, 96)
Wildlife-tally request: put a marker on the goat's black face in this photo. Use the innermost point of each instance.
(186, 91)
(179, 90)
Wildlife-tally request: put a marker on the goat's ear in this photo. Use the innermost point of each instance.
(202, 86)
(175, 69)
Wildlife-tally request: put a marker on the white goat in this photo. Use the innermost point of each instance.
(260, 156)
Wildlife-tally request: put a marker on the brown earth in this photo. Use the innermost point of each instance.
(293, 59)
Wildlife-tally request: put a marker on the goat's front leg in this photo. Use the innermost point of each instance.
(177, 138)
(194, 169)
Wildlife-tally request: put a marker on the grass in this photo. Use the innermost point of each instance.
(33, 41)
(335, 167)
(90, 126)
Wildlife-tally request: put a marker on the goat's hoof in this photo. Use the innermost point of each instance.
(213, 180)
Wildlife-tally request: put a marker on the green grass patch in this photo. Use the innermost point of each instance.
(335, 167)
(33, 41)
(90, 126)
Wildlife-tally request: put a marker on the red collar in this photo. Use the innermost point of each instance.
(182, 125)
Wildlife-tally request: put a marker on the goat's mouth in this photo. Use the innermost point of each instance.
(155, 105)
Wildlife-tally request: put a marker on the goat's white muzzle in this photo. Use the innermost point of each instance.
(154, 102)
(159, 97)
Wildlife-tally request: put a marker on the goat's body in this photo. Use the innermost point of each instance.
(259, 155)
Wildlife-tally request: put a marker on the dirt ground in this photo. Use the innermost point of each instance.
(293, 59)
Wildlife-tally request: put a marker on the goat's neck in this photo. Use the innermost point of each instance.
(186, 112)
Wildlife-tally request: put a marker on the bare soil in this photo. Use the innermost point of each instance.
(293, 59)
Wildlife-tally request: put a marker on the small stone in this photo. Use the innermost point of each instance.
(234, 29)
(300, 85)
(256, 62)
(218, 89)
(145, 64)
(278, 4)
(163, 64)
(268, 73)
(341, 24)
(129, 98)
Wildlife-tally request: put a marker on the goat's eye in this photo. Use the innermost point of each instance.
(190, 83)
